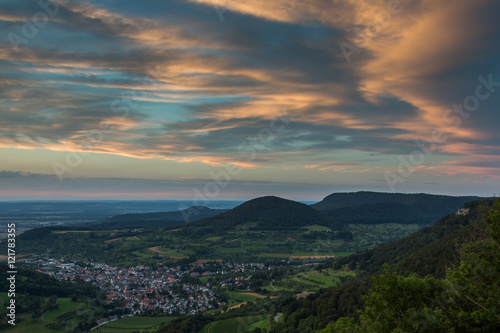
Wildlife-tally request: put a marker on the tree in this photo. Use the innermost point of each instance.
(474, 284)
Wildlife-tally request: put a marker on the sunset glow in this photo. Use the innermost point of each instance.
(157, 99)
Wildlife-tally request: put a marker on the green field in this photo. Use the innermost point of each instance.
(313, 254)
(244, 243)
(316, 279)
(275, 255)
(316, 227)
(229, 250)
(149, 254)
(277, 286)
(65, 305)
(342, 254)
(240, 297)
(134, 324)
(264, 323)
(26, 324)
(5, 298)
(29, 326)
(238, 324)
(176, 253)
(309, 281)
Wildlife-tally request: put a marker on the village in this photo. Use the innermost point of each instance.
(173, 290)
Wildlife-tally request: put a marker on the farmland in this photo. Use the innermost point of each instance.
(134, 324)
(168, 246)
(59, 320)
(238, 324)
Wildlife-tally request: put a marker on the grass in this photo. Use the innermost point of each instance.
(143, 255)
(134, 324)
(214, 239)
(174, 253)
(325, 278)
(65, 305)
(269, 288)
(316, 227)
(240, 297)
(229, 250)
(29, 325)
(342, 254)
(264, 323)
(5, 297)
(275, 255)
(312, 254)
(238, 324)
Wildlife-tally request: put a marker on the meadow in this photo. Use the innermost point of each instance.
(134, 324)
(237, 324)
(168, 246)
(65, 316)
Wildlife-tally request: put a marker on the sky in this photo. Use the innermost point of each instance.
(232, 99)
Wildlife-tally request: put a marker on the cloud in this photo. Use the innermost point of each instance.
(19, 185)
(172, 81)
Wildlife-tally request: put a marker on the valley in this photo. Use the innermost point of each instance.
(250, 268)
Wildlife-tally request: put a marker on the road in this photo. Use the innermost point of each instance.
(272, 285)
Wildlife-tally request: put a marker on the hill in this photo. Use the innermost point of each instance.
(154, 220)
(428, 251)
(269, 213)
(192, 214)
(375, 207)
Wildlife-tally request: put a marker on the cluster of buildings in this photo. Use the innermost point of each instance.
(140, 288)
(173, 290)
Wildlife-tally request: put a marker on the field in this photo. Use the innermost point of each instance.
(238, 324)
(134, 324)
(245, 244)
(171, 253)
(326, 278)
(309, 280)
(30, 325)
(311, 256)
(274, 255)
(316, 227)
(243, 297)
(65, 305)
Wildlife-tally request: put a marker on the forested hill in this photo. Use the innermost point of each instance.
(268, 212)
(426, 252)
(192, 213)
(375, 207)
(155, 220)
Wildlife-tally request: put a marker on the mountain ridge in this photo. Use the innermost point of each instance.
(367, 207)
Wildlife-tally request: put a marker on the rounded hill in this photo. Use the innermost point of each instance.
(272, 212)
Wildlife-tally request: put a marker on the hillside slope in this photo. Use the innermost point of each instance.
(427, 251)
(192, 213)
(266, 213)
(375, 207)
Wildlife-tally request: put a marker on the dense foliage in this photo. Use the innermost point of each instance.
(38, 293)
(400, 300)
(271, 213)
(372, 207)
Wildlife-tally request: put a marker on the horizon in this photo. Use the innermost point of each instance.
(217, 100)
(222, 200)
